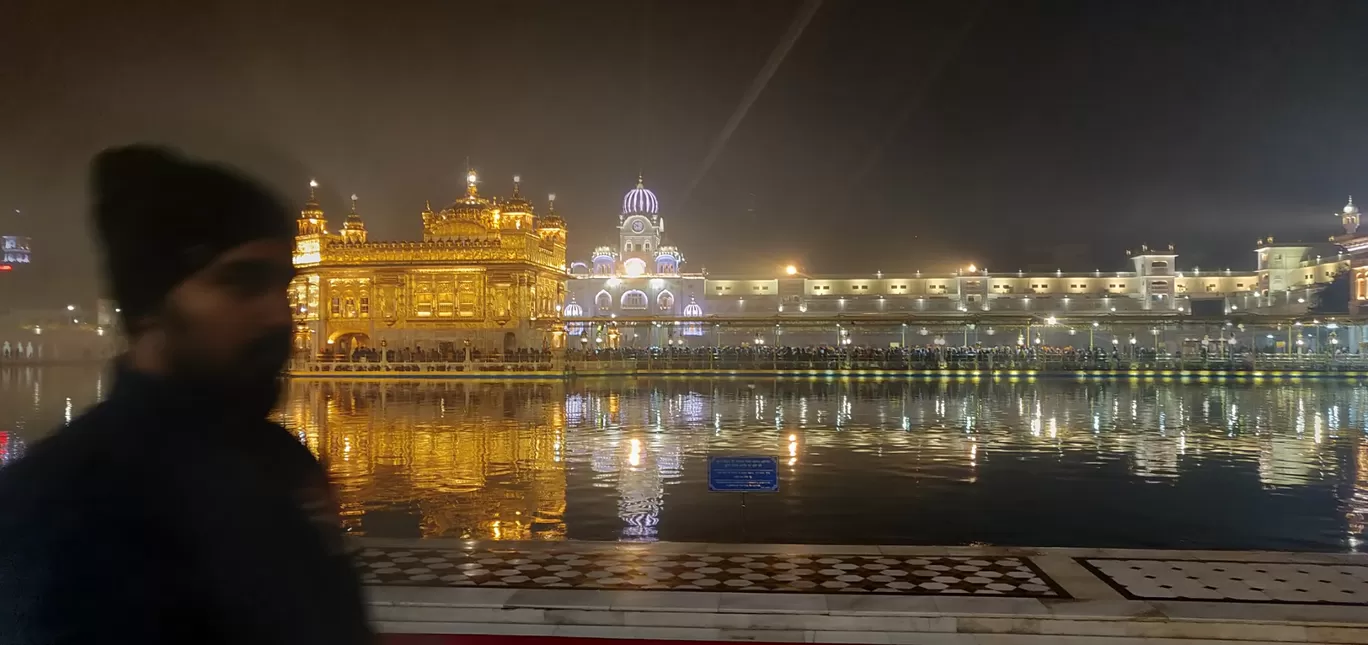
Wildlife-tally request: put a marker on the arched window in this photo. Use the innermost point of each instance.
(665, 265)
(692, 329)
(604, 301)
(634, 266)
(665, 300)
(573, 310)
(634, 300)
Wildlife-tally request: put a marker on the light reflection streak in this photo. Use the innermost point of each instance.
(474, 460)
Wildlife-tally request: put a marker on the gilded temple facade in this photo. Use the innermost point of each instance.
(489, 275)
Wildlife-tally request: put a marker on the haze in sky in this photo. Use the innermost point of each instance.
(890, 135)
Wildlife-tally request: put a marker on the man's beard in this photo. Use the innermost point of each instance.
(247, 385)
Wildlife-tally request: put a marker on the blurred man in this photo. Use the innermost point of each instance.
(175, 511)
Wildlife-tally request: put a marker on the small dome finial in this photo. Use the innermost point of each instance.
(472, 178)
(517, 181)
(313, 189)
(353, 202)
(641, 180)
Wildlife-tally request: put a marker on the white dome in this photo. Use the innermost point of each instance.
(640, 201)
(1350, 207)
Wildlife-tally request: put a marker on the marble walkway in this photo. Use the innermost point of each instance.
(863, 594)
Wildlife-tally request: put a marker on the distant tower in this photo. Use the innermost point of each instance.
(354, 230)
(311, 220)
(639, 229)
(1350, 217)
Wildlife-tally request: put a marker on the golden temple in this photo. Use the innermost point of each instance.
(488, 275)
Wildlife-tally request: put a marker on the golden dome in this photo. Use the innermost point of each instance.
(551, 219)
(312, 210)
(516, 203)
(354, 222)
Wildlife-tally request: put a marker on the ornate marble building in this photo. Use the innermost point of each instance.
(641, 283)
(640, 277)
(488, 273)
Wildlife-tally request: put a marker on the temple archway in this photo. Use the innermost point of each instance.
(344, 343)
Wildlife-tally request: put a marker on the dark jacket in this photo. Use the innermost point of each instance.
(160, 516)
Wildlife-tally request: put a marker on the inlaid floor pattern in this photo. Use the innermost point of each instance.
(929, 575)
(1338, 584)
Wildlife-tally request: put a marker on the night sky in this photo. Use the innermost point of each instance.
(893, 136)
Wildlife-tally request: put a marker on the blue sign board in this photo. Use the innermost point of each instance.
(743, 474)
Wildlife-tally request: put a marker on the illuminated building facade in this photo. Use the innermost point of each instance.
(14, 250)
(642, 278)
(1356, 245)
(488, 274)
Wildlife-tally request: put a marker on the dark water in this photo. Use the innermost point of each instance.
(1048, 462)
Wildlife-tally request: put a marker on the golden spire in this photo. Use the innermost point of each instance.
(517, 180)
(311, 220)
(354, 230)
(353, 218)
(471, 180)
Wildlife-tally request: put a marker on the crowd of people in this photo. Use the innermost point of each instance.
(444, 354)
(794, 357)
(914, 357)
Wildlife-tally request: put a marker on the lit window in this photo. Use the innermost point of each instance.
(634, 300)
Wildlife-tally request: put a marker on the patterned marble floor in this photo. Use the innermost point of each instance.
(1268, 582)
(611, 569)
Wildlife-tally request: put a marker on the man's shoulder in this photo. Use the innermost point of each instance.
(68, 453)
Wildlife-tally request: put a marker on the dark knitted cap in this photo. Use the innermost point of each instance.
(162, 217)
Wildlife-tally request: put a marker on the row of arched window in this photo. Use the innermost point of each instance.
(633, 299)
(665, 265)
(574, 310)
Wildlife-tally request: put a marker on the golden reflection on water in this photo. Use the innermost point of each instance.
(474, 461)
(1021, 462)
(495, 460)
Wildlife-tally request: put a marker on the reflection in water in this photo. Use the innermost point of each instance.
(1050, 462)
(475, 461)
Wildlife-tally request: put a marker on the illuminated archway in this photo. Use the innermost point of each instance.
(343, 343)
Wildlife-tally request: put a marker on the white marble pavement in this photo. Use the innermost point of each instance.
(1118, 596)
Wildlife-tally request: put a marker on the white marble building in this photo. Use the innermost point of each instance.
(643, 278)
